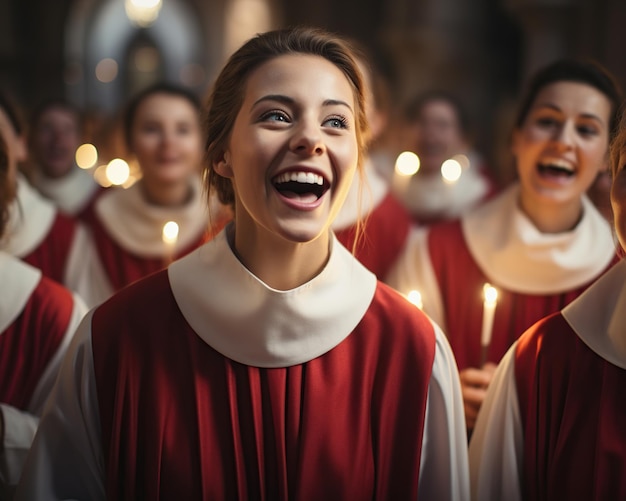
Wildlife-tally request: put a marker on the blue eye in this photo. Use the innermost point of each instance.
(275, 116)
(337, 123)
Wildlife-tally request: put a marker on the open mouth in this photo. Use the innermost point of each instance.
(304, 186)
(556, 169)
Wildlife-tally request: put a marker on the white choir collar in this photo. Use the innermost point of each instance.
(70, 193)
(365, 194)
(137, 225)
(246, 320)
(19, 280)
(515, 255)
(31, 217)
(598, 315)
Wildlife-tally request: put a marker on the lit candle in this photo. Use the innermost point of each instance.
(170, 237)
(490, 295)
(416, 298)
(407, 165)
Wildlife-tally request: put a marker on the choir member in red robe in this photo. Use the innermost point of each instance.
(55, 133)
(386, 222)
(541, 242)
(37, 232)
(552, 426)
(269, 363)
(37, 318)
(163, 131)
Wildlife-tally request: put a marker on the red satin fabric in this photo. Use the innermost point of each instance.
(52, 254)
(29, 343)
(573, 413)
(385, 232)
(461, 283)
(181, 421)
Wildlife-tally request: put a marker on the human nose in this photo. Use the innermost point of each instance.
(307, 139)
(565, 135)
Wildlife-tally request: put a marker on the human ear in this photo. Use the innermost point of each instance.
(222, 165)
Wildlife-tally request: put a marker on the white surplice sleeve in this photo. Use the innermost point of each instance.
(413, 270)
(65, 460)
(495, 451)
(20, 425)
(444, 472)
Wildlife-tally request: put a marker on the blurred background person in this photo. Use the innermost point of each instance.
(37, 319)
(552, 423)
(163, 133)
(55, 133)
(436, 128)
(37, 231)
(385, 221)
(541, 242)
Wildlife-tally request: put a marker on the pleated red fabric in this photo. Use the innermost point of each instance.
(181, 421)
(32, 340)
(573, 413)
(461, 284)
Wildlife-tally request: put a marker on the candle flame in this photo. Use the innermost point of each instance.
(416, 298)
(490, 294)
(170, 232)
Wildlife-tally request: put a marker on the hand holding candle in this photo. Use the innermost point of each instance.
(490, 295)
(170, 237)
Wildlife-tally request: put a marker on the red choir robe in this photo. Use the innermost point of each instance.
(554, 426)
(37, 320)
(386, 223)
(126, 232)
(535, 274)
(42, 236)
(73, 194)
(323, 392)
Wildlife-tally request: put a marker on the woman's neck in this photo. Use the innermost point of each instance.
(552, 217)
(167, 194)
(279, 263)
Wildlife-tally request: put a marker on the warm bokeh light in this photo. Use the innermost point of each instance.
(117, 171)
(170, 232)
(407, 163)
(100, 175)
(490, 294)
(463, 160)
(416, 298)
(451, 170)
(86, 156)
(106, 70)
(142, 12)
(146, 59)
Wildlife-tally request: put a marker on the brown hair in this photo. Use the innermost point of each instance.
(228, 91)
(7, 187)
(618, 144)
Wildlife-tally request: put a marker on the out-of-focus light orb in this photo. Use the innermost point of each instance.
(416, 298)
(463, 160)
(407, 163)
(142, 12)
(170, 232)
(86, 156)
(100, 175)
(451, 171)
(106, 70)
(117, 171)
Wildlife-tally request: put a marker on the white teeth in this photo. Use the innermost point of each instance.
(557, 163)
(300, 177)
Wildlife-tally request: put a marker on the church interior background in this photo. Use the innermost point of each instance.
(97, 53)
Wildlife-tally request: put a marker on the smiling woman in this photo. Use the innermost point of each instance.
(269, 363)
(541, 242)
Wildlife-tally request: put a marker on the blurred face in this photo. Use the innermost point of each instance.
(54, 141)
(436, 135)
(166, 138)
(293, 148)
(562, 144)
(618, 199)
